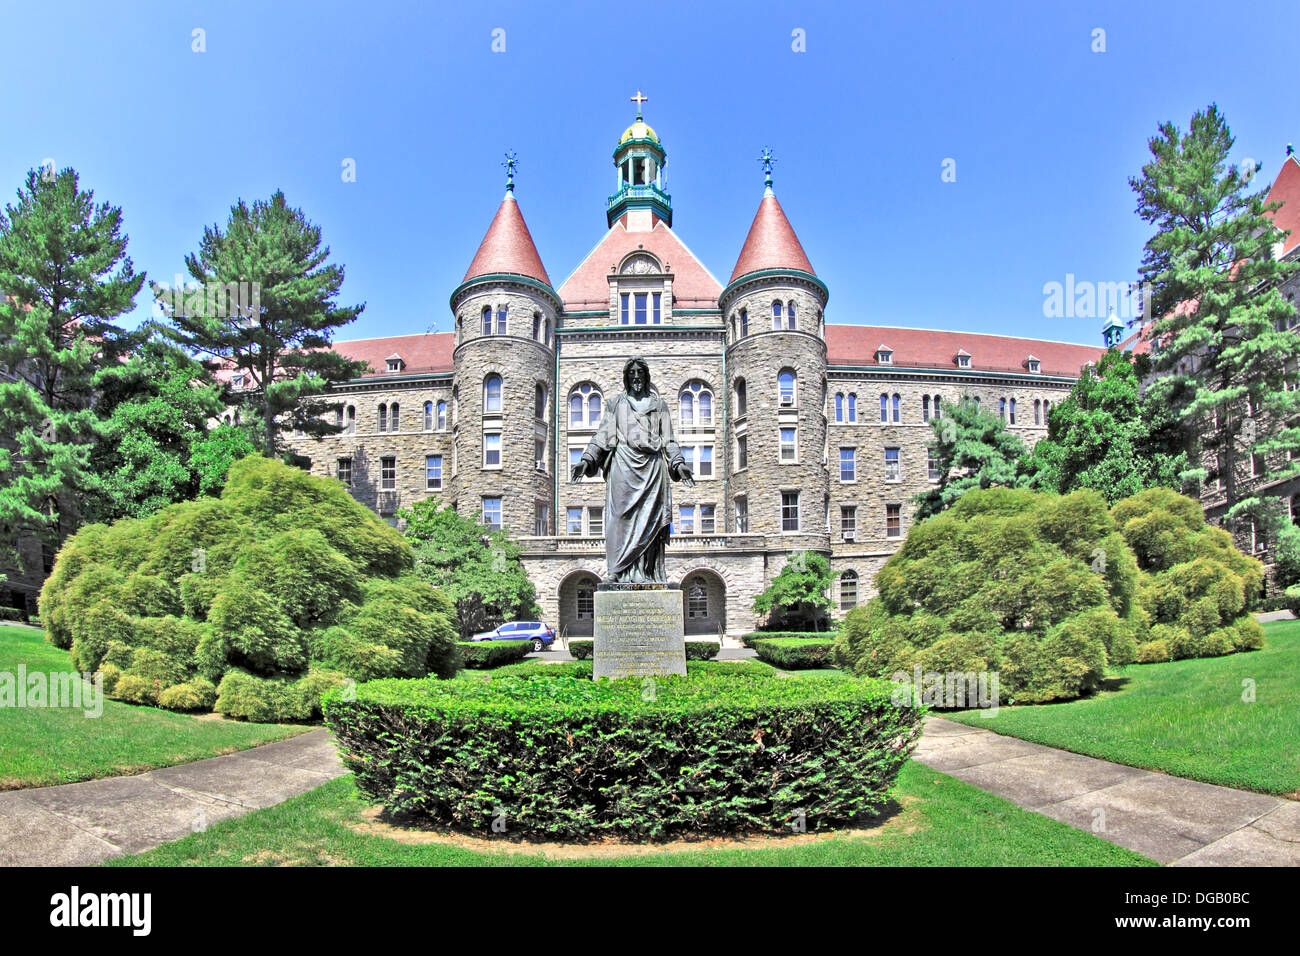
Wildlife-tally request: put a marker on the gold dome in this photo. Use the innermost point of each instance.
(638, 130)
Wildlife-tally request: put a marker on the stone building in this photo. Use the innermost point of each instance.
(803, 434)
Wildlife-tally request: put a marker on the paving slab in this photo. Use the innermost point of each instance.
(241, 779)
(1050, 776)
(970, 750)
(32, 836)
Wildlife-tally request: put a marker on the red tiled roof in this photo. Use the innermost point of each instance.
(694, 287)
(507, 246)
(430, 352)
(929, 348)
(771, 243)
(1286, 190)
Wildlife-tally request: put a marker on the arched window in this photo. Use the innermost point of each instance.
(584, 405)
(785, 385)
(789, 316)
(697, 598)
(884, 407)
(936, 407)
(848, 590)
(225, 419)
(776, 316)
(492, 393)
(1002, 409)
(501, 320)
(383, 417)
(696, 404)
(537, 326)
(539, 401)
(853, 406)
(839, 406)
(428, 416)
(351, 423)
(925, 408)
(1011, 411)
(1038, 412)
(744, 322)
(896, 409)
(742, 398)
(442, 416)
(487, 320)
(392, 418)
(586, 595)
(1047, 408)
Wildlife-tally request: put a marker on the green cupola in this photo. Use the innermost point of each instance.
(639, 159)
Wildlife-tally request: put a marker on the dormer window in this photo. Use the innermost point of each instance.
(885, 355)
(394, 363)
(1033, 364)
(963, 358)
(237, 381)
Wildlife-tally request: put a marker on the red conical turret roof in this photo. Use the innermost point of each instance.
(508, 246)
(771, 243)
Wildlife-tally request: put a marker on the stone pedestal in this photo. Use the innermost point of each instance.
(639, 633)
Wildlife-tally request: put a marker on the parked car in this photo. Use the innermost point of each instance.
(536, 631)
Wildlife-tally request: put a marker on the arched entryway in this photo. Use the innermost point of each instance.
(704, 602)
(577, 598)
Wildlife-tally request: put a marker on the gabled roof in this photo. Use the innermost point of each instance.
(931, 348)
(771, 243)
(1286, 190)
(507, 246)
(587, 288)
(430, 352)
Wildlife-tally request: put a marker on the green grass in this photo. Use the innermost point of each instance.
(939, 821)
(1185, 718)
(49, 745)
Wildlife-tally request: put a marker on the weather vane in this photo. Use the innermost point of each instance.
(510, 165)
(767, 159)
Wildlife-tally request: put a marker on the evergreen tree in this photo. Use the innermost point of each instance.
(797, 597)
(974, 450)
(64, 276)
(1221, 339)
(265, 305)
(1106, 436)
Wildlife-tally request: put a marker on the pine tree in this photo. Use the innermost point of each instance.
(974, 450)
(266, 306)
(64, 275)
(1221, 340)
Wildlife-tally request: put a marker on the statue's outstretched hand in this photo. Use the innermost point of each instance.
(685, 477)
(579, 471)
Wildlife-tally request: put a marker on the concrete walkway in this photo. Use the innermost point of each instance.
(81, 824)
(1170, 819)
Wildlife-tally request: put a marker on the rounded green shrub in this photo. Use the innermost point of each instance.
(1153, 652)
(582, 649)
(796, 653)
(550, 753)
(281, 580)
(702, 650)
(482, 655)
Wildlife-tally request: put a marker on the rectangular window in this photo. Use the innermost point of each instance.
(788, 450)
(433, 472)
(848, 591)
(708, 522)
(742, 514)
(848, 464)
(541, 518)
(848, 520)
(892, 470)
(932, 464)
(789, 511)
(625, 317)
(575, 457)
(596, 521)
(640, 308)
(492, 450)
(586, 603)
(705, 469)
(345, 471)
(387, 474)
(492, 513)
(501, 321)
(893, 521)
(687, 523)
(655, 300)
(573, 521)
(742, 452)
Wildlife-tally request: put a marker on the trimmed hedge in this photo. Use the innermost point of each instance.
(749, 639)
(582, 650)
(797, 653)
(695, 650)
(480, 655)
(554, 754)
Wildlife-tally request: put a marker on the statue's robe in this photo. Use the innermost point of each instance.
(636, 452)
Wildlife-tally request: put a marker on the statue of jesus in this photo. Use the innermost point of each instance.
(635, 451)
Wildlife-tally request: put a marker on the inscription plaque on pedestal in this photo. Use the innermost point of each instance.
(639, 633)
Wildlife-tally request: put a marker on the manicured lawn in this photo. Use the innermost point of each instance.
(1186, 718)
(49, 745)
(940, 822)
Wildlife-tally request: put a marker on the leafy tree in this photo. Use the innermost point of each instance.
(1221, 339)
(1106, 436)
(266, 306)
(477, 568)
(64, 275)
(212, 455)
(156, 407)
(975, 450)
(797, 597)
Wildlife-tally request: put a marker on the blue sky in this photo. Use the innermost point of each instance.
(1044, 133)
